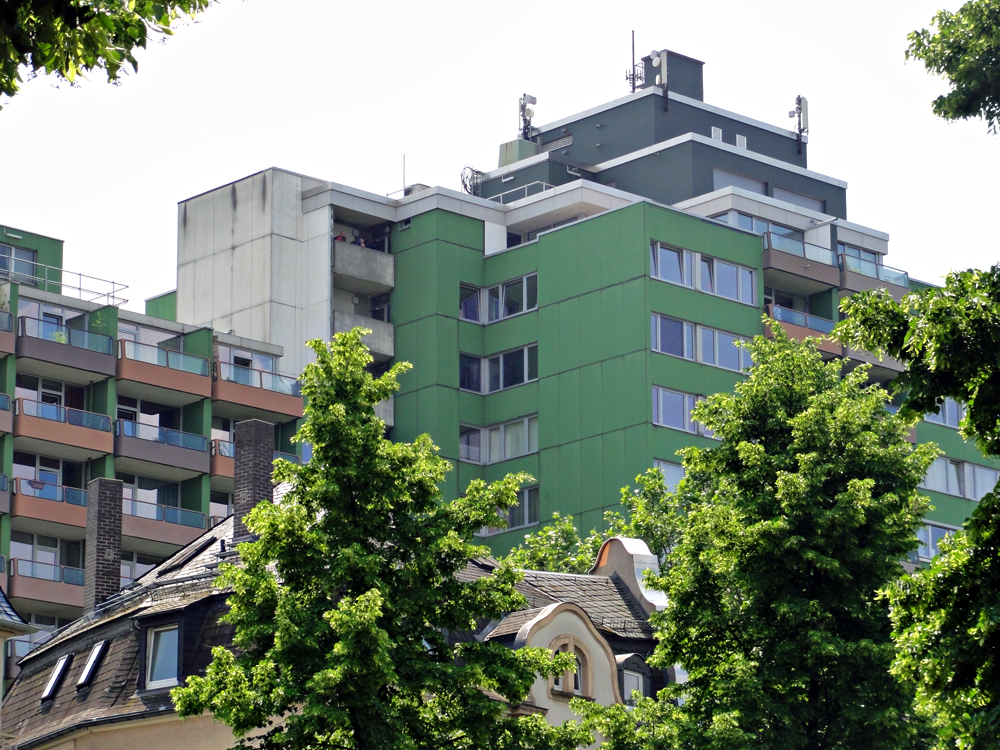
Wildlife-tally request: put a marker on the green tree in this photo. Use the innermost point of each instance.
(785, 533)
(345, 607)
(965, 49)
(68, 38)
(945, 618)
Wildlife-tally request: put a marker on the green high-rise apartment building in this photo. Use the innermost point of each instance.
(566, 311)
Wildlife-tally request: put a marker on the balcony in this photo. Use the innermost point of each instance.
(163, 375)
(185, 454)
(161, 523)
(62, 353)
(6, 333)
(61, 432)
(525, 191)
(862, 275)
(223, 455)
(786, 255)
(6, 417)
(381, 340)
(4, 496)
(799, 325)
(362, 270)
(43, 582)
(245, 393)
(51, 503)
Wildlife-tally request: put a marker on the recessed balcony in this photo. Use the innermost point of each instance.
(31, 581)
(860, 275)
(381, 341)
(184, 454)
(814, 268)
(162, 375)
(362, 270)
(62, 353)
(799, 325)
(61, 432)
(244, 393)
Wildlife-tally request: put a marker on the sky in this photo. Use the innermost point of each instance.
(341, 91)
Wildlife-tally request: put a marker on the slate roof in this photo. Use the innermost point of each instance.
(10, 620)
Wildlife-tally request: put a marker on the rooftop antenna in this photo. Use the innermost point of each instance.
(659, 60)
(526, 114)
(637, 73)
(802, 111)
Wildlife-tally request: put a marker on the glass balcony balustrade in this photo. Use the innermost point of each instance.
(801, 249)
(290, 457)
(796, 318)
(56, 413)
(165, 513)
(876, 271)
(155, 434)
(47, 491)
(4, 402)
(48, 572)
(269, 381)
(6, 322)
(154, 355)
(223, 448)
(81, 339)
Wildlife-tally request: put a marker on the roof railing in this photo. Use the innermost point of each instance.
(61, 281)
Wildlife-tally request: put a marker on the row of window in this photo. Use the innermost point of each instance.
(960, 478)
(498, 302)
(680, 338)
(950, 415)
(488, 445)
(673, 409)
(501, 371)
(701, 272)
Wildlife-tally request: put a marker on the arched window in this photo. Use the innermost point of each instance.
(578, 677)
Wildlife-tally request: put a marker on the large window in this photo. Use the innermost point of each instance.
(709, 275)
(929, 536)
(672, 473)
(17, 263)
(498, 443)
(499, 372)
(673, 409)
(950, 415)
(525, 513)
(695, 342)
(161, 657)
(960, 478)
(498, 302)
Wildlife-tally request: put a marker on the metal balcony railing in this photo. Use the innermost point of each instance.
(801, 249)
(291, 457)
(81, 339)
(56, 413)
(57, 493)
(61, 281)
(155, 434)
(154, 355)
(165, 513)
(48, 572)
(516, 194)
(269, 381)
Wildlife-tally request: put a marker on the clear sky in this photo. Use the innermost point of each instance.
(340, 91)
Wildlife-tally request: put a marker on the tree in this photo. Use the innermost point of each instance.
(785, 532)
(965, 49)
(945, 618)
(73, 37)
(345, 607)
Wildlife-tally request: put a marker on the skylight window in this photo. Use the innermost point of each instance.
(90, 668)
(58, 672)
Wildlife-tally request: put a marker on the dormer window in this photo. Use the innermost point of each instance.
(161, 657)
(55, 679)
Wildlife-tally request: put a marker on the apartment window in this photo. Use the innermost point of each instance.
(983, 480)
(148, 412)
(950, 415)
(760, 226)
(856, 252)
(47, 391)
(500, 442)
(161, 657)
(716, 134)
(498, 302)
(578, 677)
(524, 513)
(379, 307)
(222, 429)
(673, 409)
(741, 141)
(220, 504)
(499, 372)
(45, 554)
(672, 336)
(470, 441)
(929, 536)
(17, 262)
(690, 341)
(633, 683)
(704, 273)
(134, 565)
(244, 358)
(672, 474)
(960, 478)
(141, 493)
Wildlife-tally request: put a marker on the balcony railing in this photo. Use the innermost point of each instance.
(165, 513)
(154, 355)
(4, 402)
(269, 381)
(876, 271)
(6, 322)
(291, 457)
(799, 248)
(46, 491)
(61, 281)
(48, 572)
(155, 434)
(4, 486)
(796, 318)
(516, 194)
(55, 413)
(81, 339)
(223, 448)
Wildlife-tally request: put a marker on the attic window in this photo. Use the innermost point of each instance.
(741, 141)
(716, 134)
(55, 679)
(90, 668)
(161, 657)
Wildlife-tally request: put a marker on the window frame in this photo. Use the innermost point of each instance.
(691, 272)
(485, 436)
(965, 473)
(528, 502)
(693, 334)
(484, 311)
(486, 365)
(92, 665)
(931, 545)
(659, 464)
(148, 635)
(56, 677)
(691, 427)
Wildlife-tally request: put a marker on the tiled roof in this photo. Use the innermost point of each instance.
(513, 622)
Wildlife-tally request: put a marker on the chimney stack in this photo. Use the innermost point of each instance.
(103, 559)
(253, 471)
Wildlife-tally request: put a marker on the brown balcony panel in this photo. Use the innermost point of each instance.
(5, 501)
(827, 276)
(858, 282)
(196, 462)
(65, 356)
(6, 421)
(150, 529)
(25, 506)
(223, 466)
(40, 590)
(799, 333)
(164, 377)
(247, 402)
(88, 443)
(7, 342)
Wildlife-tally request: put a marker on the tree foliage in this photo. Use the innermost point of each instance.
(68, 38)
(946, 618)
(345, 606)
(784, 534)
(965, 49)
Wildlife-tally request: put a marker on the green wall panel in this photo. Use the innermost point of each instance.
(163, 306)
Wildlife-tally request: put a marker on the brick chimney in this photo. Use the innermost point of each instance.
(253, 471)
(103, 559)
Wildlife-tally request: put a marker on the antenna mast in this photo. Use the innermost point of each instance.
(802, 112)
(635, 74)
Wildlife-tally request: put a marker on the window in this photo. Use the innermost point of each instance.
(672, 336)
(575, 681)
(55, 679)
(525, 513)
(856, 252)
(135, 564)
(682, 339)
(243, 358)
(500, 371)
(760, 226)
(578, 677)
(492, 444)
(741, 141)
(161, 657)
(17, 263)
(983, 481)
(633, 683)
(713, 276)
(90, 668)
(498, 302)
(47, 557)
(950, 415)
(379, 307)
(716, 134)
(960, 478)
(140, 495)
(673, 409)
(672, 474)
(929, 537)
